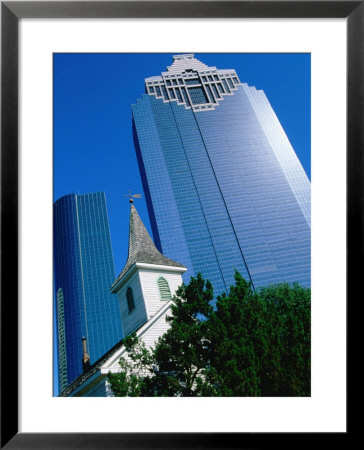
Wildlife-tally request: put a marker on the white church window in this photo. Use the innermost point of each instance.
(164, 290)
(130, 299)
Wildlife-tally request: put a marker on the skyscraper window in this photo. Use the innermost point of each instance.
(193, 81)
(179, 95)
(211, 95)
(197, 95)
(226, 86)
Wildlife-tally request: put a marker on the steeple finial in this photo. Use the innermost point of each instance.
(131, 196)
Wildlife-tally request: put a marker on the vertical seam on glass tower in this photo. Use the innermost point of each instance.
(203, 212)
(109, 234)
(107, 228)
(223, 199)
(148, 195)
(83, 283)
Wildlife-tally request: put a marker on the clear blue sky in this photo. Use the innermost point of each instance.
(93, 145)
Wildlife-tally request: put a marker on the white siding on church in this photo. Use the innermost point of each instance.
(149, 334)
(149, 282)
(138, 316)
(159, 328)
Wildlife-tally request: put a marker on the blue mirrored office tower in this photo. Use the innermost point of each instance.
(224, 187)
(84, 272)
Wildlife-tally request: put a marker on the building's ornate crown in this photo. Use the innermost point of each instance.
(191, 83)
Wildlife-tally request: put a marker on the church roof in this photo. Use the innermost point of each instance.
(91, 371)
(141, 247)
(113, 352)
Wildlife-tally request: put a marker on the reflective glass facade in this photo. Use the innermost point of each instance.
(84, 273)
(224, 187)
(61, 336)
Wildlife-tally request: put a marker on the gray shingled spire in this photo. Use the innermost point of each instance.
(141, 246)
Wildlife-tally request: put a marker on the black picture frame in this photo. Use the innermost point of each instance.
(11, 12)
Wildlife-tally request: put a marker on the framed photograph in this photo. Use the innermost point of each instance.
(40, 63)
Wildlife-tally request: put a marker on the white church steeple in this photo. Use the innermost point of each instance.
(148, 279)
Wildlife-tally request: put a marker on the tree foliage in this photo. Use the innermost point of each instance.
(249, 344)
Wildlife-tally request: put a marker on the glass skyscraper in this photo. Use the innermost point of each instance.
(84, 272)
(224, 187)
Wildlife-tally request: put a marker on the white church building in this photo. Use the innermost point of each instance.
(144, 288)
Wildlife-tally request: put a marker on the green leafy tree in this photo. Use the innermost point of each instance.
(261, 341)
(239, 341)
(292, 341)
(133, 379)
(250, 344)
(182, 353)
